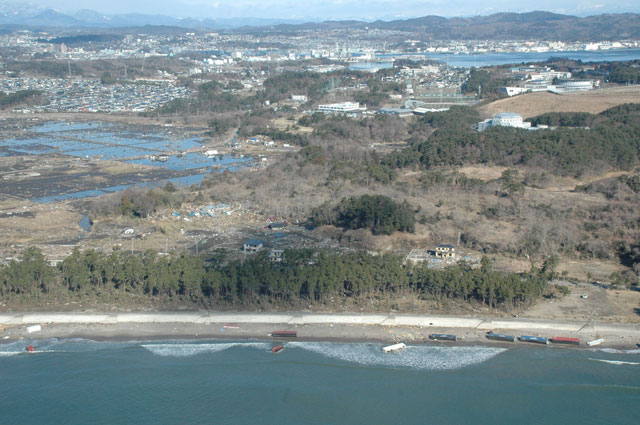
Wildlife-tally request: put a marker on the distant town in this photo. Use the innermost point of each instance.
(250, 61)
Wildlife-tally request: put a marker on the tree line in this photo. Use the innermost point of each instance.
(303, 276)
(20, 96)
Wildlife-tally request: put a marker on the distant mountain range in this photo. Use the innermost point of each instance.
(500, 26)
(49, 18)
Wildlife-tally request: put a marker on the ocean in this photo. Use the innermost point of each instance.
(242, 382)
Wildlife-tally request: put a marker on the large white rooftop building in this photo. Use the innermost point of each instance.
(341, 108)
(505, 119)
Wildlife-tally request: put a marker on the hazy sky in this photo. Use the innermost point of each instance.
(335, 9)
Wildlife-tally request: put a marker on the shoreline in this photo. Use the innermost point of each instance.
(410, 329)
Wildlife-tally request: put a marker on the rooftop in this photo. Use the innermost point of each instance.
(507, 115)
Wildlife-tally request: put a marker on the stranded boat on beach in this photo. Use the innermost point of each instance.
(535, 339)
(394, 347)
(284, 334)
(595, 342)
(564, 340)
(277, 348)
(500, 337)
(443, 337)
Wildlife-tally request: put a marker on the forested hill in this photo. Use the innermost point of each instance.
(500, 26)
(579, 144)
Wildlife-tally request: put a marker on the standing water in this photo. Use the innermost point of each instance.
(85, 223)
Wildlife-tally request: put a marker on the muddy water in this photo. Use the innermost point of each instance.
(97, 141)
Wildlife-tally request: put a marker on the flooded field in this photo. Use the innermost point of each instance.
(62, 160)
(45, 163)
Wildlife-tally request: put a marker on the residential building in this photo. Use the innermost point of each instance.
(253, 245)
(445, 251)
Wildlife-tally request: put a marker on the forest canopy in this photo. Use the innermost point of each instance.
(612, 140)
(378, 213)
(302, 276)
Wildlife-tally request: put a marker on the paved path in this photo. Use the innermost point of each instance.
(318, 318)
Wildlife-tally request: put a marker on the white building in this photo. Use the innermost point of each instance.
(504, 119)
(341, 108)
(513, 91)
(300, 98)
(575, 85)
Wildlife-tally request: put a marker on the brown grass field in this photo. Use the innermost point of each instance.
(533, 104)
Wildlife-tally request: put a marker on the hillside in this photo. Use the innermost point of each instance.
(500, 26)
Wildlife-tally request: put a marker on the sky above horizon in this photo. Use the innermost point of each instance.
(331, 9)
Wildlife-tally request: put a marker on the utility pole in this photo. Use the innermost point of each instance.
(69, 62)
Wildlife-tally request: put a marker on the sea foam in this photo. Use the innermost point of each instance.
(616, 362)
(413, 356)
(615, 351)
(192, 349)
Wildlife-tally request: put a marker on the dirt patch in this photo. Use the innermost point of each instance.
(482, 173)
(533, 104)
(588, 270)
(589, 302)
(292, 125)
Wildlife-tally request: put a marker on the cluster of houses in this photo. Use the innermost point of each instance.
(441, 254)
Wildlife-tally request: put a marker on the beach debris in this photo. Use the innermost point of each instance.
(128, 232)
(231, 326)
(584, 296)
(34, 328)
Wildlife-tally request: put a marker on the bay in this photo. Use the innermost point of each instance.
(489, 59)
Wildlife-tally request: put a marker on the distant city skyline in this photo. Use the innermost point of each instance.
(328, 9)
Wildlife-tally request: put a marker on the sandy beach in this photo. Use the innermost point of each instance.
(309, 326)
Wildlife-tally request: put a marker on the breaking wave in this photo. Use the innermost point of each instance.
(55, 345)
(616, 362)
(41, 346)
(415, 357)
(186, 350)
(615, 351)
